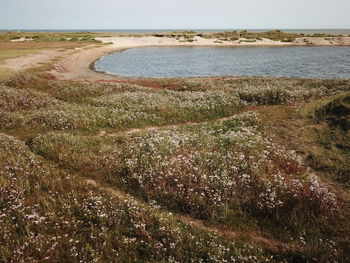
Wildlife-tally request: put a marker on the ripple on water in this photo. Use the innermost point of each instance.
(169, 62)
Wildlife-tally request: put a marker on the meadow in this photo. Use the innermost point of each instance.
(174, 170)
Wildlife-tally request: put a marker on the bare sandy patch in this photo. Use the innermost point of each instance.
(32, 60)
(22, 39)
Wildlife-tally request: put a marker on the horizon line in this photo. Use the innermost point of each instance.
(171, 28)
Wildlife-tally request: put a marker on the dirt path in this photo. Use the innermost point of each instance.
(256, 237)
(270, 244)
(171, 126)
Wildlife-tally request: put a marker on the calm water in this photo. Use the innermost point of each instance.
(169, 62)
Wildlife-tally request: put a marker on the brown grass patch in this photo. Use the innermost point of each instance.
(40, 45)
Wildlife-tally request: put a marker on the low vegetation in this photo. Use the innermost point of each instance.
(336, 112)
(47, 37)
(332, 135)
(210, 171)
(47, 215)
(276, 35)
(176, 170)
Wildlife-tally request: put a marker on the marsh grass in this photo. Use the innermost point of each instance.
(330, 118)
(205, 171)
(129, 106)
(235, 174)
(48, 216)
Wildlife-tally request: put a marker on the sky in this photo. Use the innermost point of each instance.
(174, 14)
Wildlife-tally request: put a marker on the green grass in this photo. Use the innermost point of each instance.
(324, 148)
(332, 137)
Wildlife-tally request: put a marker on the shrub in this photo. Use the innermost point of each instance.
(21, 80)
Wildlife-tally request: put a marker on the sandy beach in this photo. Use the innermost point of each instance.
(77, 64)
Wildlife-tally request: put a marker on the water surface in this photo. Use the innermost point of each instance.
(169, 62)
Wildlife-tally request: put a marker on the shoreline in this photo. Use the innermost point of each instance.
(79, 63)
(124, 43)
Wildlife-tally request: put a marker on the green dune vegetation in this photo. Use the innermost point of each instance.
(47, 36)
(86, 36)
(177, 170)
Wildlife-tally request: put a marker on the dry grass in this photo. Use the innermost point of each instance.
(10, 46)
(10, 50)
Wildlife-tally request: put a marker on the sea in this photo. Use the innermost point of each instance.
(159, 31)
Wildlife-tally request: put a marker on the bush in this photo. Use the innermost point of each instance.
(337, 112)
(21, 80)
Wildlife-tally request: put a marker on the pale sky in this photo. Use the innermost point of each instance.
(171, 14)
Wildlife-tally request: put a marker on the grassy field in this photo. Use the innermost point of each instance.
(171, 170)
(182, 170)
